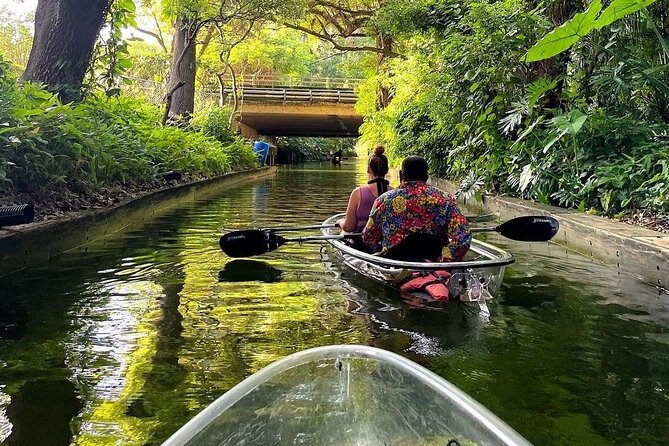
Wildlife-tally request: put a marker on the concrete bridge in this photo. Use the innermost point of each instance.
(294, 106)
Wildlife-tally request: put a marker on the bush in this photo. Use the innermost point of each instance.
(99, 143)
(214, 122)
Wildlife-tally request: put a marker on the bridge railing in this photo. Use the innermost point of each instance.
(306, 82)
(293, 94)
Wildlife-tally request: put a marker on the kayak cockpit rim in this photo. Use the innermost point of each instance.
(472, 408)
(493, 256)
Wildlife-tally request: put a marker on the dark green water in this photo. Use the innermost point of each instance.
(124, 344)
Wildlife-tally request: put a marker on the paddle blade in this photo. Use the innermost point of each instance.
(529, 228)
(249, 243)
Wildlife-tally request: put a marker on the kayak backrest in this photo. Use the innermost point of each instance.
(417, 247)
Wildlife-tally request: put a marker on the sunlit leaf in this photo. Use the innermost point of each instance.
(563, 37)
(526, 177)
(619, 9)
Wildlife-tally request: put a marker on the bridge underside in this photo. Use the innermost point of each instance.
(299, 119)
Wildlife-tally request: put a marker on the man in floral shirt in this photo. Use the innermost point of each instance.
(416, 208)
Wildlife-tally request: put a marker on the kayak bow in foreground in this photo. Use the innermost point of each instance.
(345, 395)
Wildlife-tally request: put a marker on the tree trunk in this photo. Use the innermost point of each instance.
(182, 70)
(65, 32)
(384, 42)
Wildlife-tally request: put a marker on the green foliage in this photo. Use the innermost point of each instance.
(273, 51)
(15, 39)
(455, 86)
(111, 55)
(46, 146)
(566, 35)
(589, 131)
(215, 123)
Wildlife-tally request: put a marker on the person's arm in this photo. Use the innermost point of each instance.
(372, 235)
(457, 232)
(350, 222)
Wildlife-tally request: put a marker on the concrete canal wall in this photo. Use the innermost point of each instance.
(632, 249)
(37, 243)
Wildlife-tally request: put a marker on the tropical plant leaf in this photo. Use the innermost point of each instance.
(564, 36)
(527, 131)
(619, 9)
(554, 140)
(514, 116)
(570, 122)
(526, 177)
(537, 89)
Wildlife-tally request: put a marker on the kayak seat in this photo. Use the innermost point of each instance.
(417, 247)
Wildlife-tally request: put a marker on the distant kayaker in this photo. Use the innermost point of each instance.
(336, 157)
(416, 208)
(362, 198)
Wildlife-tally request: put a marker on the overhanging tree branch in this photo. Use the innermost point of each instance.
(365, 12)
(337, 45)
(156, 36)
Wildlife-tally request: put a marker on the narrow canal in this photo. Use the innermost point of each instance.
(124, 343)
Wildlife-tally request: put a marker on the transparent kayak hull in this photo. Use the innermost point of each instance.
(478, 276)
(345, 395)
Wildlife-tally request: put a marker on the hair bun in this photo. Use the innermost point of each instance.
(379, 149)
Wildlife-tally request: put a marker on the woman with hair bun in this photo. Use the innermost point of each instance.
(362, 198)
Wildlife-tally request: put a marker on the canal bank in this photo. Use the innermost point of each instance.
(36, 243)
(634, 250)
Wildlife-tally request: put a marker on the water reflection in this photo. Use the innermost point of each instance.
(243, 270)
(141, 331)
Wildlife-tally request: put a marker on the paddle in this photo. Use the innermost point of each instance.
(529, 228)
(470, 219)
(253, 242)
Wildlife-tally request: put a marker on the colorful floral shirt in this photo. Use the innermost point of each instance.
(415, 207)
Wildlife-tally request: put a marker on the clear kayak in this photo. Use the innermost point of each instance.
(345, 395)
(477, 277)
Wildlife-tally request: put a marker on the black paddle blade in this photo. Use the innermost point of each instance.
(529, 228)
(251, 242)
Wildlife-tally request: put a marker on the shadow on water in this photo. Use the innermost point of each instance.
(41, 412)
(243, 270)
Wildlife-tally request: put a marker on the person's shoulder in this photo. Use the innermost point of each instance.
(435, 191)
(389, 195)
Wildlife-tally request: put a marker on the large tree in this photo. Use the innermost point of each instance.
(180, 98)
(65, 33)
(191, 16)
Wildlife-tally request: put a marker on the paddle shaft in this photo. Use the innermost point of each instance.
(488, 229)
(470, 218)
(318, 238)
(356, 234)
